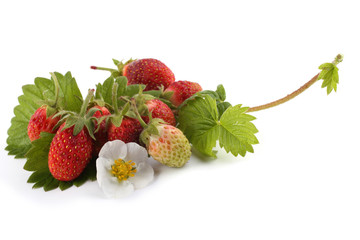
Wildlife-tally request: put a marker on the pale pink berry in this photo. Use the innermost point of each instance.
(170, 147)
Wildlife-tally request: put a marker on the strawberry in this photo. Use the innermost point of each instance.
(128, 131)
(148, 71)
(167, 145)
(69, 154)
(101, 135)
(40, 123)
(182, 90)
(122, 127)
(159, 109)
(72, 146)
(44, 120)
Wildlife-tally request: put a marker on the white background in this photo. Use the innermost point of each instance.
(303, 180)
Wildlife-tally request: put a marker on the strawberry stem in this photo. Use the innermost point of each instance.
(86, 102)
(142, 122)
(114, 98)
(103, 68)
(338, 59)
(287, 98)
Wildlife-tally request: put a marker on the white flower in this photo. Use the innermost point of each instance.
(122, 168)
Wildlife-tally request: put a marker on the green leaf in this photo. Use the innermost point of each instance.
(116, 62)
(46, 87)
(122, 82)
(51, 184)
(72, 98)
(237, 133)
(155, 93)
(330, 75)
(65, 185)
(205, 120)
(18, 142)
(221, 92)
(211, 93)
(39, 175)
(37, 161)
(38, 152)
(222, 106)
(104, 91)
(134, 89)
(198, 119)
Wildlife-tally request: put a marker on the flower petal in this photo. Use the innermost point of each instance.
(112, 188)
(113, 150)
(143, 176)
(136, 153)
(103, 167)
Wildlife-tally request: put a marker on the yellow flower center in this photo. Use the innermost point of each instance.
(123, 170)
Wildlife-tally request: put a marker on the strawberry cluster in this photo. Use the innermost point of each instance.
(147, 118)
(141, 104)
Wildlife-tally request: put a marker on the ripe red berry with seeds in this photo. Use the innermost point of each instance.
(40, 123)
(151, 72)
(182, 90)
(159, 109)
(101, 135)
(69, 154)
(129, 131)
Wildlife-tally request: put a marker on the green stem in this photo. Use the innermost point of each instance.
(287, 98)
(142, 123)
(103, 68)
(338, 59)
(86, 102)
(114, 98)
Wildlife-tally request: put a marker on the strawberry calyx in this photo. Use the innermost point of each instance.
(140, 100)
(121, 65)
(85, 118)
(151, 129)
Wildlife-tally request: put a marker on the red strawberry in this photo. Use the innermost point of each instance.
(159, 109)
(101, 135)
(40, 123)
(182, 91)
(128, 131)
(150, 72)
(69, 154)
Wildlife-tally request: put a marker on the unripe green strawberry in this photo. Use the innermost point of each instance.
(69, 154)
(169, 147)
